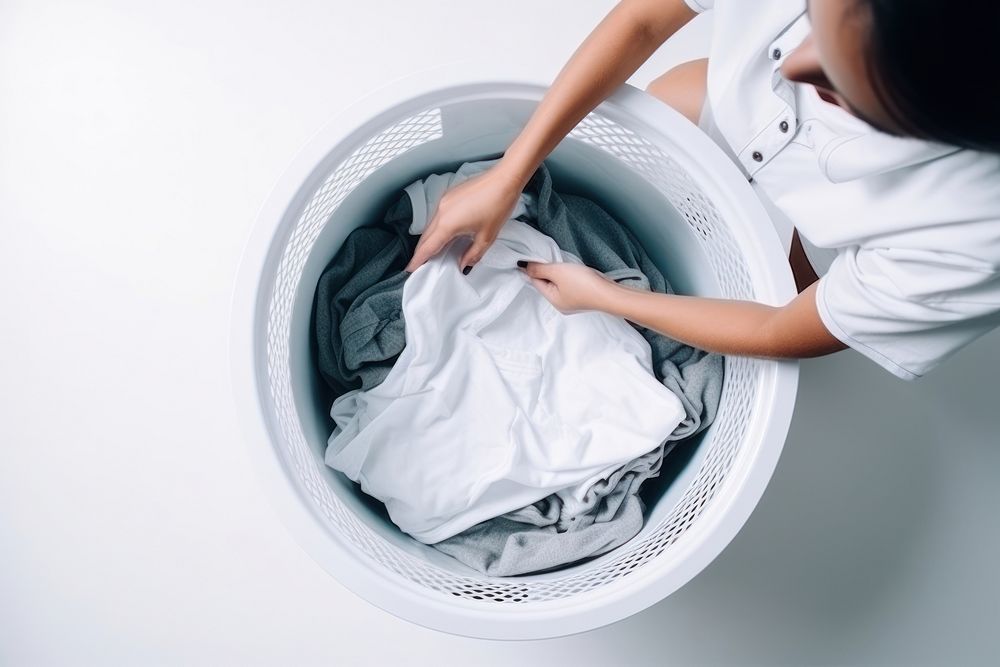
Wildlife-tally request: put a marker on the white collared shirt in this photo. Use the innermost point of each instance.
(904, 232)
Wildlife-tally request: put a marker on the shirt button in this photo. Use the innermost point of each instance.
(757, 157)
(776, 54)
(783, 126)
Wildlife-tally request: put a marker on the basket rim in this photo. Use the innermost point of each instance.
(700, 544)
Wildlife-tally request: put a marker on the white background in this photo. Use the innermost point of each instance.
(137, 140)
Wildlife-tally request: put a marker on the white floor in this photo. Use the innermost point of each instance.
(137, 140)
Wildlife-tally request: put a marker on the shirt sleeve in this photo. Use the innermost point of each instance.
(908, 310)
(699, 5)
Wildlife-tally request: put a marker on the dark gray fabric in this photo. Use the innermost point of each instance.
(360, 334)
(358, 306)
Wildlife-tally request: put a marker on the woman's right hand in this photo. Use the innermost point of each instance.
(613, 51)
(477, 207)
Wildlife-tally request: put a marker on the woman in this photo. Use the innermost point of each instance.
(870, 126)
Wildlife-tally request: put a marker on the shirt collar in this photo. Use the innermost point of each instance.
(849, 148)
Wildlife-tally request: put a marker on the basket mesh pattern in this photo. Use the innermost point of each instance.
(739, 391)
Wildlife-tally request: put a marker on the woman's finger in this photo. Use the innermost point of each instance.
(474, 252)
(537, 269)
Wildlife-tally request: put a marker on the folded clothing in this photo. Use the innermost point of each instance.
(360, 323)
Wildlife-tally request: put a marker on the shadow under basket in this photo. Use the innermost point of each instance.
(648, 167)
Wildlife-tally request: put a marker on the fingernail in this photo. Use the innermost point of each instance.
(467, 269)
(523, 264)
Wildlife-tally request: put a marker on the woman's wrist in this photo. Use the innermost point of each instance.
(624, 301)
(608, 297)
(513, 174)
(517, 165)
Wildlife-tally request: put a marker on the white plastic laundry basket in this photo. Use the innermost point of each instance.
(698, 219)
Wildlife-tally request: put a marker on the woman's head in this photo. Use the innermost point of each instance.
(921, 68)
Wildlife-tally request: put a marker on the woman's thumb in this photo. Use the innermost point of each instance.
(431, 242)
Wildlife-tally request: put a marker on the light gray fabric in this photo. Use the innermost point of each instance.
(543, 536)
(360, 332)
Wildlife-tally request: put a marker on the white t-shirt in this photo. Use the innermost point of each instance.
(905, 232)
(498, 399)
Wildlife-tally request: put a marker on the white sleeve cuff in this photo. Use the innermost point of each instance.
(840, 334)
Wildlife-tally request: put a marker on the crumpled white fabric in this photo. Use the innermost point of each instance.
(498, 399)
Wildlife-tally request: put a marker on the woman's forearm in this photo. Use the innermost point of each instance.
(615, 49)
(728, 326)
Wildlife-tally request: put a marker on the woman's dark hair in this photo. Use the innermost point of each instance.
(935, 66)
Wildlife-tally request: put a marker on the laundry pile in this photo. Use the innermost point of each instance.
(493, 427)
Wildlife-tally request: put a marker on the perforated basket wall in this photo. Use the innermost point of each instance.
(740, 386)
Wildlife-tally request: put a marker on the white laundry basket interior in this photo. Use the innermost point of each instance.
(616, 157)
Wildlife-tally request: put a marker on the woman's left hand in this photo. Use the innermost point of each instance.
(570, 287)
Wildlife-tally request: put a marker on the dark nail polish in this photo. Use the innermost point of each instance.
(523, 264)
(467, 269)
